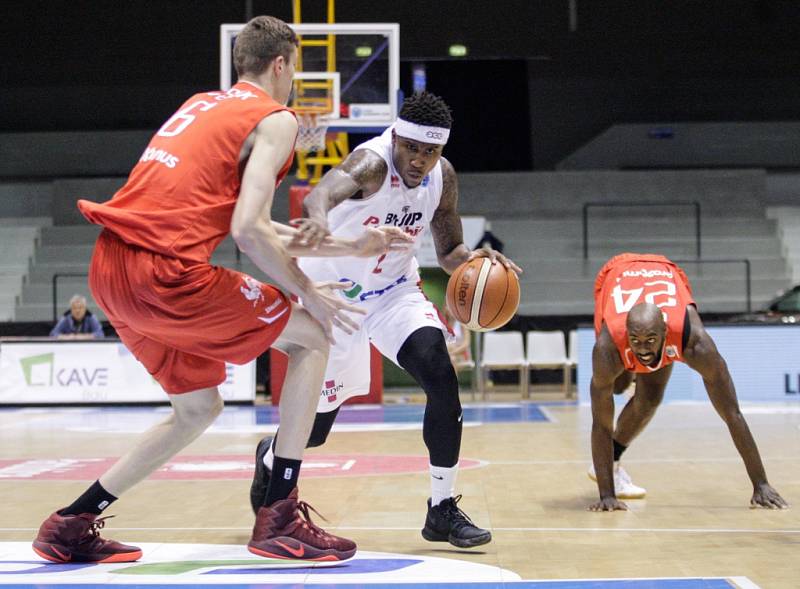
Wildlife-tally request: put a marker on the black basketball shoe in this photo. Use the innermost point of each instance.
(446, 522)
(258, 488)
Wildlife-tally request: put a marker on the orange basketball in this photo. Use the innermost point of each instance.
(481, 295)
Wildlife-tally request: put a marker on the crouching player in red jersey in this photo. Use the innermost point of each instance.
(645, 319)
(211, 170)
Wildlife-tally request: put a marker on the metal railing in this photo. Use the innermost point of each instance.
(747, 274)
(684, 203)
(55, 287)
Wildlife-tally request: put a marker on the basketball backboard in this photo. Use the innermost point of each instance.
(349, 71)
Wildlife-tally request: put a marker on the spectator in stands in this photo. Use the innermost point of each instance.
(78, 322)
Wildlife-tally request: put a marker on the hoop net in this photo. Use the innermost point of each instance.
(312, 128)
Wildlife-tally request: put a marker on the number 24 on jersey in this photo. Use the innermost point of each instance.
(657, 292)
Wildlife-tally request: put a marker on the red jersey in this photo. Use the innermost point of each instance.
(179, 198)
(628, 279)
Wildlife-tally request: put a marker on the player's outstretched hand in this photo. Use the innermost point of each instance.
(311, 232)
(766, 496)
(494, 256)
(329, 309)
(608, 504)
(382, 240)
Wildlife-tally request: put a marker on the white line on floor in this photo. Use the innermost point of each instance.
(744, 583)
(687, 460)
(416, 528)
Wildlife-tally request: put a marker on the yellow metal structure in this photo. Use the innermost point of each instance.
(310, 167)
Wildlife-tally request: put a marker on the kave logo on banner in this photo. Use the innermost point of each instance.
(38, 370)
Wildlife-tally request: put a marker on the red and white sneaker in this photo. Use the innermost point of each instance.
(76, 538)
(285, 530)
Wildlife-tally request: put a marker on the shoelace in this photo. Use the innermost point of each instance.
(93, 533)
(458, 517)
(306, 521)
(98, 524)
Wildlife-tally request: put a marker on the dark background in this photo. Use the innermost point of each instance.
(530, 91)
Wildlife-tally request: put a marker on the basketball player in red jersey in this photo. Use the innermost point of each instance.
(211, 170)
(645, 319)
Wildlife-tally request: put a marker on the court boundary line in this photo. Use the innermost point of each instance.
(588, 460)
(743, 583)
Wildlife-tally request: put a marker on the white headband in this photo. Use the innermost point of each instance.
(421, 133)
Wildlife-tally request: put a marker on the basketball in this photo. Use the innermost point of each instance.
(481, 295)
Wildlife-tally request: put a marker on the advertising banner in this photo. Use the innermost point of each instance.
(92, 372)
(762, 359)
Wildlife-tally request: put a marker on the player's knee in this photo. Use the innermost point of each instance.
(306, 358)
(317, 342)
(438, 379)
(211, 410)
(440, 375)
(199, 411)
(302, 333)
(424, 356)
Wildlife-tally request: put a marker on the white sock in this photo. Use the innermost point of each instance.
(269, 457)
(443, 483)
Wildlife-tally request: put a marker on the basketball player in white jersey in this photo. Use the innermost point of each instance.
(398, 179)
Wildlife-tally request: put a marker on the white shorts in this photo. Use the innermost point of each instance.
(390, 319)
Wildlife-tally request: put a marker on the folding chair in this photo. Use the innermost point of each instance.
(547, 349)
(504, 351)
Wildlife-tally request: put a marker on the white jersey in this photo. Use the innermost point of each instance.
(410, 209)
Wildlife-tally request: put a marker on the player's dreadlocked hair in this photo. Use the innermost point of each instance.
(424, 108)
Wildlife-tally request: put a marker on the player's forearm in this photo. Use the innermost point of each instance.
(264, 246)
(452, 260)
(368, 244)
(722, 393)
(603, 439)
(282, 229)
(330, 246)
(603, 460)
(746, 445)
(317, 204)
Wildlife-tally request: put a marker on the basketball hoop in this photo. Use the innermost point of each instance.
(311, 132)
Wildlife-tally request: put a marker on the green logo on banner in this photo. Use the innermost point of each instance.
(30, 362)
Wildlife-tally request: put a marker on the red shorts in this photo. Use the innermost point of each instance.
(183, 320)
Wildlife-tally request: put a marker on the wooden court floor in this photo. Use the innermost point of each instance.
(530, 488)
